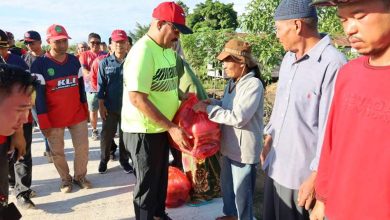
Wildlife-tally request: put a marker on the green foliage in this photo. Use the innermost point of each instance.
(258, 17)
(21, 45)
(267, 51)
(202, 48)
(328, 21)
(184, 6)
(47, 47)
(139, 31)
(72, 48)
(212, 15)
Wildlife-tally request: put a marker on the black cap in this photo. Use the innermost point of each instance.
(3, 39)
(31, 36)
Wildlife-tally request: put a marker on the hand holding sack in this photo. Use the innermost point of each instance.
(206, 134)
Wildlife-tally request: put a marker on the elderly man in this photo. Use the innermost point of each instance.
(150, 100)
(81, 47)
(353, 180)
(293, 136)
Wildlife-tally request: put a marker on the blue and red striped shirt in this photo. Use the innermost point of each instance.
(61, 100)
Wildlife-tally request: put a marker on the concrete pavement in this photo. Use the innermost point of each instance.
(110, 198)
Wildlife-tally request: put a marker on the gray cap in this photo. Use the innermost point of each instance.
(293, 9)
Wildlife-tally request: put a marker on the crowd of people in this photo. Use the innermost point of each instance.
(324, 151)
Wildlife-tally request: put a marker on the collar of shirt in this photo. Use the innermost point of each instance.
(316, 51)
(112, 58)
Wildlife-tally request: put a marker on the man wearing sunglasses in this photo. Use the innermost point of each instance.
(150, 100)
(33, 42)
(86, 59)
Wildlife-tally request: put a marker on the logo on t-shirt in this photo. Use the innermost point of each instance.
(51, 72)
(66, 83)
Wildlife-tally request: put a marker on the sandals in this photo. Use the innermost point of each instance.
(197, 203)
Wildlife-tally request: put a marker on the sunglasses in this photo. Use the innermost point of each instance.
(172, 26)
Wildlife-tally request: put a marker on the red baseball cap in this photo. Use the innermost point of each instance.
(118, 35)
(172, 12)
(57, 32)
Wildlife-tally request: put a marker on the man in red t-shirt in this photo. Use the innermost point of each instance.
(353, 180)
(16, 88)
(86, 59)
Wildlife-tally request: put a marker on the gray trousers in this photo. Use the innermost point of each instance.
(280, 203)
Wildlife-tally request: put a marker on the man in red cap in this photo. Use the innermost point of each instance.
(110, 91)
(353, 180)
(60, 104)
(150, 100)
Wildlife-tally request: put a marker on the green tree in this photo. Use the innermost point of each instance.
(202, 48)
(184, 6)
(258, 17)
(139, 31)
(328, 21)
(212, 15)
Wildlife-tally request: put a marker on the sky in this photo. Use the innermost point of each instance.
(81, 17)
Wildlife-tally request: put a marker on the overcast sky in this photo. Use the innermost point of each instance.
(80, 17)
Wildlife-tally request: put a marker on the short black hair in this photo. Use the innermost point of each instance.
(94, 35)
(109, 40)
(11, 76)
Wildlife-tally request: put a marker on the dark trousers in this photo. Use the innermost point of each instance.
(150, 153)
(177, 158)
(280, 203)
(3, 177)
(20, 171)
(107, 134)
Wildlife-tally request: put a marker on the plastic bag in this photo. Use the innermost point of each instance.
(206, 134)
(178, 188)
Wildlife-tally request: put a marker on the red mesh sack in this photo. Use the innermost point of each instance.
(206, 134)
(178, 188)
